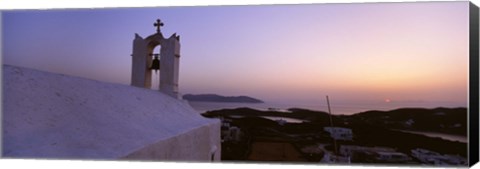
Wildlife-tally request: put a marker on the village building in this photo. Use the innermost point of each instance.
(350, 150)
(435, 158)
(339, 133)
(392, 157)
(378, 154)
(331, 158)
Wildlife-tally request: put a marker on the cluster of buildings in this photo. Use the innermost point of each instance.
(347, 153)
(431, 157)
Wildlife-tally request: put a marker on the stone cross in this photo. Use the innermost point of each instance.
(158, 24)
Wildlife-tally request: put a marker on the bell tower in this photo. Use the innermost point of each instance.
(145, 61)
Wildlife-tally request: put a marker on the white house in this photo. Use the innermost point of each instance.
(281, 122)
(339, 133)
(392, 156)
(233, 133)
(331, 158)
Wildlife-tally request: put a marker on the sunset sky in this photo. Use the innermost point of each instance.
(371, 51)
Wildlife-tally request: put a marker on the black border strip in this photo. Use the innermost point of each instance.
(473, 86)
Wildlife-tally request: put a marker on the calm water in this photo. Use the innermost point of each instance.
(289, 120)
(346, 108)
(450, 137)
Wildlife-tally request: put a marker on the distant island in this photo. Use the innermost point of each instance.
(219, 98)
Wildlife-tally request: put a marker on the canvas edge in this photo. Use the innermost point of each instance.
(473, 85)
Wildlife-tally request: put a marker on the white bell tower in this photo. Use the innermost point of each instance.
(143, 61)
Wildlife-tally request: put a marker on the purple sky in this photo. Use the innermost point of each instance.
(371, 51)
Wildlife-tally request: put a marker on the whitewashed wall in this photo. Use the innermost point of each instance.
(48, 115)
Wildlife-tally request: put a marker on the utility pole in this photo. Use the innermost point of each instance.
(331, 125)
(329, 112)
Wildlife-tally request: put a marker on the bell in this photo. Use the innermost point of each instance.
(155, 64)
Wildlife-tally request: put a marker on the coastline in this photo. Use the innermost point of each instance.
(288, 115)
(446, 136)
(338, 108)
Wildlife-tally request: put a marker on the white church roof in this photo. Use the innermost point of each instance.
(48, 115)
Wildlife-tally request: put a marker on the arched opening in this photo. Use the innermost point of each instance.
(155, 75)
